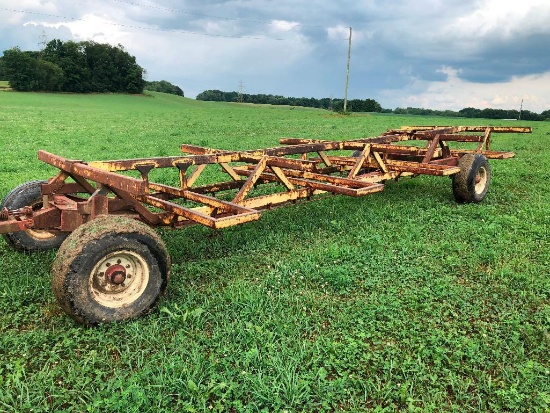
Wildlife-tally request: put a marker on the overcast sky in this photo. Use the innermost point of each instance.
(446, 54)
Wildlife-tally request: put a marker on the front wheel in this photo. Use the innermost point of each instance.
(110, 269)
(30, 194)
(471, 184)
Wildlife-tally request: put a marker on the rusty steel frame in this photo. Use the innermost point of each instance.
(300, 169)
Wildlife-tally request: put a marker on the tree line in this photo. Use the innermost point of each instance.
(354, 105)
(77, 67)
(367, 105)
(469, 112)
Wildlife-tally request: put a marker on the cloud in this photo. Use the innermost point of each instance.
(90, 27)
(455, 93)
(505, 20)
(472, 52)
(283, 25)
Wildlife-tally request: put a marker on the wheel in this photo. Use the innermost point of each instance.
(472, 182)
(30, 194)
(110, 269)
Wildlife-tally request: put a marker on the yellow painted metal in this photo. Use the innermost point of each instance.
(280, 174)
(363, 156)
(299, 170)
(253, 177)
(227, 168)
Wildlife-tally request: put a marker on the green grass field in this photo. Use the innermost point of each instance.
(398, 301)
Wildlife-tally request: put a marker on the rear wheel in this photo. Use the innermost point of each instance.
(471, 184)
(110, 269)
(30, 194)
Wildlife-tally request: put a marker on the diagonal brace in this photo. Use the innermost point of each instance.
(249, 183)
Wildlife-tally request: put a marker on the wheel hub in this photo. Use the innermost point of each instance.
(119, 278)
(115, 274)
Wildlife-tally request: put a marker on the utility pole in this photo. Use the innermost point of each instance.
(347, 73)
(520, 109)
(240, 98)
(43, 41)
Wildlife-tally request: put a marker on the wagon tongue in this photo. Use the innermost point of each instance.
(15, 220)
(6, 214)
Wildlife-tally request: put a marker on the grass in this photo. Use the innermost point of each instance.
(402, 300)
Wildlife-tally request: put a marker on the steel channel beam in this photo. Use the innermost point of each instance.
(278, 199)
(305, 146)
(201, 218)
(359, 188)
(416, 168)
(200, 198)
(347, 144)
(487, 154)
(15, 225)
(334, 180)
(124, 183)
(497, 129)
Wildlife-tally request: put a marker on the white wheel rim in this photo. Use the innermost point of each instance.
(119, 279)
(41, 235)
(481, 180)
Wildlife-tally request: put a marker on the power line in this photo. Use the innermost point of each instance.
(209, 15)
(40, 14)
(152, 28)
(194, 33)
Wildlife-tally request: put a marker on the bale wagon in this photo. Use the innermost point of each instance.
(111, 265)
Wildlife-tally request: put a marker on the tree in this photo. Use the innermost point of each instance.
(20, 69)
(79, 67)
(49, 76)
(211, 95)
(70, 57)
(469, 112)
(367, 105)
(164, 87)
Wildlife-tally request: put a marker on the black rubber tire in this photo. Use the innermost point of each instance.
(30, 194)
(471, 184)
(81, 269)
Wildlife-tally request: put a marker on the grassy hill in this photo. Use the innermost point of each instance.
(402, 300)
